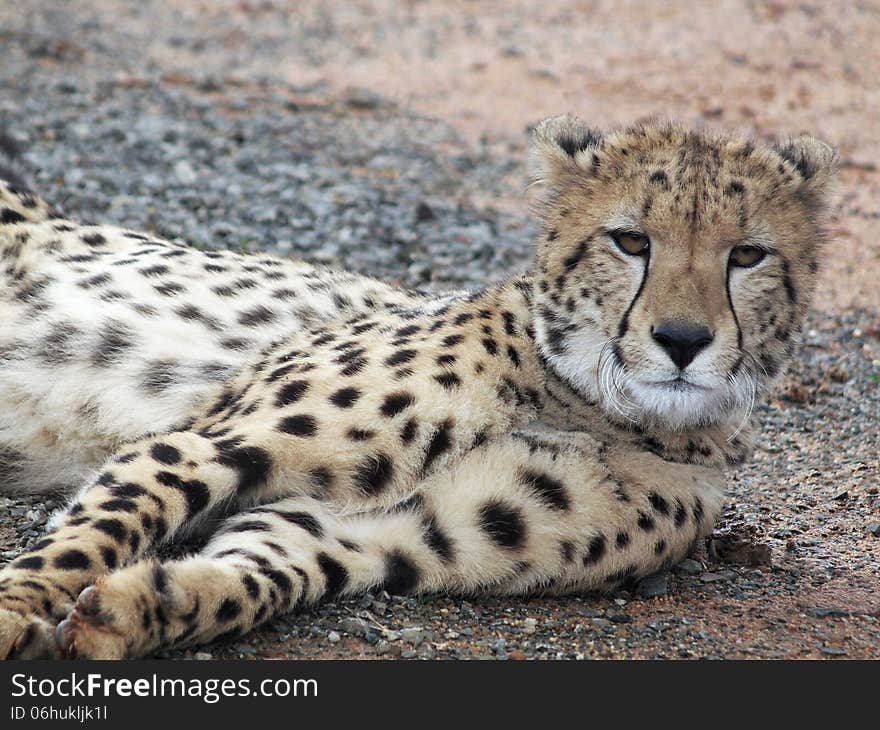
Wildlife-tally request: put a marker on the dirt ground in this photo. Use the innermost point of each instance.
(794, 569)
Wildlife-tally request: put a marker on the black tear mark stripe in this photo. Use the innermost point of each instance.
(624, 322)
(787, 282)
(739, 335)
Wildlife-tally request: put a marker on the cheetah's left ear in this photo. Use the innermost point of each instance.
(561, 150)
(816, 163)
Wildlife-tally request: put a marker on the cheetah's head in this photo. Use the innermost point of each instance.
(674, 267)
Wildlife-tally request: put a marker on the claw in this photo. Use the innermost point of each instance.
(88, 632)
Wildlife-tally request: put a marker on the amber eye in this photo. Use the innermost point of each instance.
(631, 243)
(746, 256)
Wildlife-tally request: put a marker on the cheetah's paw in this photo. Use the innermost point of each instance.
(26, 637)
(91, 631)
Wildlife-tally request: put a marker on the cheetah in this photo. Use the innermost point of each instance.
(565, 430)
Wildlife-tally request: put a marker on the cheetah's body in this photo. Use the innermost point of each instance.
(332, 433)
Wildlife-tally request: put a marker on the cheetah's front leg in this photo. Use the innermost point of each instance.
(146, 494)
(516, 516)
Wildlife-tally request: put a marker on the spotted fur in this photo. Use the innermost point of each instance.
(333, 434)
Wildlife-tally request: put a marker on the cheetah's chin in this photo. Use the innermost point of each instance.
(680, 404)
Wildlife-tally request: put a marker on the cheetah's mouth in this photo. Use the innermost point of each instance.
(678, 385)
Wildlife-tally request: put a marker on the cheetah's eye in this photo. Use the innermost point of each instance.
(746, 256)
(631, 243)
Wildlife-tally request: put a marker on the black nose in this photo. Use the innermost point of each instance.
(681, 340)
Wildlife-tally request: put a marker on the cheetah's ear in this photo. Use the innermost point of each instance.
(816, 163)
(562, 149)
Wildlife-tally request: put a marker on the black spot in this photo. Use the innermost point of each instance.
(400, 357)
(252, 463)
(195, 492)
(258, 316)
(72, 560)
(8, 216)
(228, 610)
(345, 397)
(374, 474)
(249, 526)
(31, 562)
(408, 432)
(401, 574)
(698, 510)
(112, 527)
(438, 540)
(169, 289)
(335, 574)
(165, 454)
(127, 490)
(303, 520)
(659, 176)
(291, 393)
(659, 547)
(440, 442)
(645, 522)
(549, 490)
(118, 505)
(94, 239)
(395, 403)
(114, 339)
(595, 550)
(353, 367)
(108, 555)
(490, 345)
(622, 539)
(359, 434)
(447, 359)
(321, 477)
(566, 550)
(251, 586)
(504, 525)
(573, 259)
(680, 513)
(658, 503)
(452, 340)
(448, 380)
(300, 425)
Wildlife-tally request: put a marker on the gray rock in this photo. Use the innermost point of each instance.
(653, 586)
(689, 566)
(618, 617)
(826, 612)
(353, 626)
(413, 635)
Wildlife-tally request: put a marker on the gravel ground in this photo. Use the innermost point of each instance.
(131, 116)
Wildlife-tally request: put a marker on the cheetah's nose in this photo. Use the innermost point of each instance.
(681, 340)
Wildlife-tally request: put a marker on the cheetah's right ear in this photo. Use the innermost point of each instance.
(562, 149)
(815, 162)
